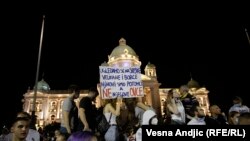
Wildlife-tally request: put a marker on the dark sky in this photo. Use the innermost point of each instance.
(209, 42)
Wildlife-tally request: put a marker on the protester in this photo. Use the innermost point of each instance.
(88, 111)
(70, 111)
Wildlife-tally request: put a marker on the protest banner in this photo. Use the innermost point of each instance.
(119, 81)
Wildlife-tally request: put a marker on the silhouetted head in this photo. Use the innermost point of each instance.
(93, 93)
(237, 100)
(184, 89)
(82, 136)
(244, 119)
(74, 90)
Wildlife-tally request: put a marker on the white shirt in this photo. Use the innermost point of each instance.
(239, 108)
(33, 135)
(197, 121)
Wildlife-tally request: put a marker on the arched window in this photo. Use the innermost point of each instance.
(53, 106)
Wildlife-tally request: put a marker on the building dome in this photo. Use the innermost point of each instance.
(43, 86)
(122, 49)
(149, 65)
(193, 84)
(104, 64)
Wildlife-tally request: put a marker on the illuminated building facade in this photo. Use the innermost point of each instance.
(49, 102)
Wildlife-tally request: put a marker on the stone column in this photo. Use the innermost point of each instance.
(156, 104)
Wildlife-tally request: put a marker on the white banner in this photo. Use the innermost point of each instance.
(120, 81)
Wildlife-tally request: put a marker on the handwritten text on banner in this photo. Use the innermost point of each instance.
(118, 81)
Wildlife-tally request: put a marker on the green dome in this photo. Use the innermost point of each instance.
(105, 64)
(122, 49)
(43, 86)
(193, 84)
(149, 65)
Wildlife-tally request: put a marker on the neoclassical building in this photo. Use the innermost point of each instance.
(49, 102)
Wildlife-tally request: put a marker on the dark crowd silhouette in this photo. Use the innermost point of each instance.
(125, 117)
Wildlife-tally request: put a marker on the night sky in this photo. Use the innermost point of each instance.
(209, 43)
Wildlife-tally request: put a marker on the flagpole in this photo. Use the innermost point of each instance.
(33, 121)
(247, 36)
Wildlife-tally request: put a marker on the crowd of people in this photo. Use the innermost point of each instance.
(125, 116)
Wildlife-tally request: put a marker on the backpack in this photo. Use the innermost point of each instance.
(103, 125)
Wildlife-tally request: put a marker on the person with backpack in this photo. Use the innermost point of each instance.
(111, 110)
